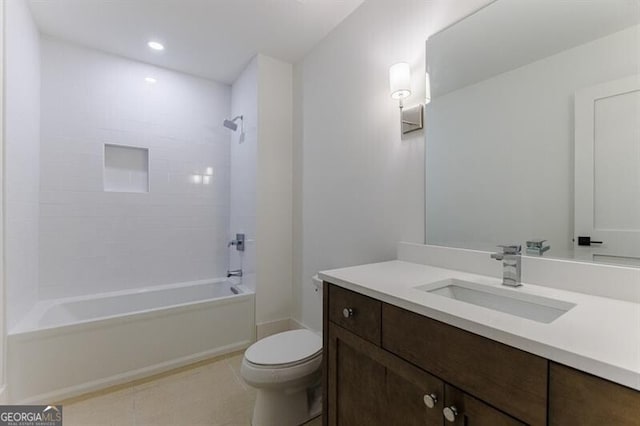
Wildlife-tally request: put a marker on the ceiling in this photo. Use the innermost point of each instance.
(508, 34)
(210, 38)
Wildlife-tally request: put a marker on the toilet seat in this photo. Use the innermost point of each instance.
(284, 350)
(283, 366)
(276, 377)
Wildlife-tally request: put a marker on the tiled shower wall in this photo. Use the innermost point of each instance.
(95, 241)
(22, 146)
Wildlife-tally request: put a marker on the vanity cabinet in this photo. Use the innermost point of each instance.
(386, 366)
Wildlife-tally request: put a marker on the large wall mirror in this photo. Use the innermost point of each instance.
(533, 130)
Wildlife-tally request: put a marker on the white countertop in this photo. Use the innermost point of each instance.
(599, 335)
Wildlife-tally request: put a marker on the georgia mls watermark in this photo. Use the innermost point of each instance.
(30, 415)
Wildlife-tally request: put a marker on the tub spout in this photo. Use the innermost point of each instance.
(234, 273)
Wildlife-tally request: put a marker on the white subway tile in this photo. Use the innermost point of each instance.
(97, 241)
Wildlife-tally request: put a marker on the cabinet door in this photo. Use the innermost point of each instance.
(356, 383)
(414, 397)
(582, 399)
(369, 386)
(461, 409)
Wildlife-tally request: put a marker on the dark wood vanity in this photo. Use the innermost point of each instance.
(387, 366)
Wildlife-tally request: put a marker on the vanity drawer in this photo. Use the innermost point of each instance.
(582, 399)
(500, 375)
(355, 312)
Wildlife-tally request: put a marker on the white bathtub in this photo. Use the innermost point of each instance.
(67, 347)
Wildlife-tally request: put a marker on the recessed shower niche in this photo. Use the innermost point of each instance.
(126, 169)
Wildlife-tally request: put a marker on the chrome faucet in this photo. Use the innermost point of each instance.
(234, 273)
(511, 264)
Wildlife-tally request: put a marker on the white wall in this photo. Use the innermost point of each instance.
(22, 156)
(244, 160)
(362, 185)
(507, 174)
(3, 307)
(261, 187)
(95, 241)
(274, 191)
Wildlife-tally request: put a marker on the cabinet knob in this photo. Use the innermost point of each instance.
(430, 400)
(450, 413)
(347, 312)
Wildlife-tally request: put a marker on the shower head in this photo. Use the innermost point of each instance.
(231, 124)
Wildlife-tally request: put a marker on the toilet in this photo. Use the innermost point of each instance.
(285, 369)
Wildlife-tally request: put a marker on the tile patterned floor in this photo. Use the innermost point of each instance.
(212, 394)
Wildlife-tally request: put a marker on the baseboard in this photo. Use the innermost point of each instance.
(294, 324)
(129, 376)
(265, 329)
(268, 328)
(4, 400)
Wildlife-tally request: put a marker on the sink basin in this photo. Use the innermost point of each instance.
(536, 308)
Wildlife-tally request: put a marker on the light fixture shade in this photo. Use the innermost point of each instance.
(427, 89)
(400, 80)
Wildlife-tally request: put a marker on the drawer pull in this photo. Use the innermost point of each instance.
(430, 400)
(347, 312)
(450, 413)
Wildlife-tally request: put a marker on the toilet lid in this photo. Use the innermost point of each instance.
(284, 348)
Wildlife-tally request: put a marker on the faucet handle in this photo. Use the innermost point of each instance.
(511, 248)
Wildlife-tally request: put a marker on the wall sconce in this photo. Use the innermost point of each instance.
(400, 85)
(400, 81)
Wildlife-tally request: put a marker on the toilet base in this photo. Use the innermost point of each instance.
(279, 408)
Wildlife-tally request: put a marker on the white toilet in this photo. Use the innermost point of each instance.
(285, 369)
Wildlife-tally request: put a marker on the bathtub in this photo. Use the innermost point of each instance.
(66, 347)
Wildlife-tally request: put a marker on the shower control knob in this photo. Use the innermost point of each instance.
(347, 312)
(450, 413)
(430, 400)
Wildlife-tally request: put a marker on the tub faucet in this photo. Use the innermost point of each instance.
(234, 273)
(511, 264)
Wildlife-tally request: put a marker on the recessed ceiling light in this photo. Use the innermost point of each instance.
(155, 45)
(150, 80)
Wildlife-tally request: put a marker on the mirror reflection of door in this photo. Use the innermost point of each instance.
(607, 170)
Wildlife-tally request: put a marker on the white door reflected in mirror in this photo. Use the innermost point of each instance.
(607, 170)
